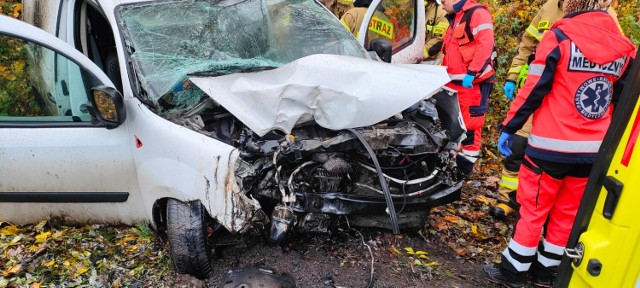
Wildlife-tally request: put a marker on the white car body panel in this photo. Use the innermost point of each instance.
(314, 88)
(187, 166)
(90, 159)
(171, 161)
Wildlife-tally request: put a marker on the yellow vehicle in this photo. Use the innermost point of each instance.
(605, 239)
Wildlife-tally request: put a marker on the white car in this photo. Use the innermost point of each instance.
(213, 117)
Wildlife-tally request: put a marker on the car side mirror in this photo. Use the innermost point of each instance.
(107, 106)
(382, 47)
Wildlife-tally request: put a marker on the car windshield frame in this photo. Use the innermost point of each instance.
(167, 41)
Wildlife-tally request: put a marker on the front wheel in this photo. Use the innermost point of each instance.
(187, 233)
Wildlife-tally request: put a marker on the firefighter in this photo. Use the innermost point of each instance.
(437, 24)
(339, 7)
(353, 18)
(576, 78)
(548, 14)
(379, 26)
(468, 53)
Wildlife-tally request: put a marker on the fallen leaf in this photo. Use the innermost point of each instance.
(432, 263)
(394, 251)
(409, 250)
(10, 230)
(80, 271)
(452, 219)
(485, 200)
(42, 237)
(12, 270)
(50, 263)
(40, 226)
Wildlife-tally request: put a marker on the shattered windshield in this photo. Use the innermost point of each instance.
(169, 40)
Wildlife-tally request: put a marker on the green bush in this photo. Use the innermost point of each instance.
(15, 91)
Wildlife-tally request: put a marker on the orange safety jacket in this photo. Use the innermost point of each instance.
(468, 43)
(577, 75)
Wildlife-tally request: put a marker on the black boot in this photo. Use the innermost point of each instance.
(497, 275)
(465, 167)
(542, 276)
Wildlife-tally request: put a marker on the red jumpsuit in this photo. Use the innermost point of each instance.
(575, 79)
(468, 49)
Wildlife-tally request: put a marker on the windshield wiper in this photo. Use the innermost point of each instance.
(226, 70)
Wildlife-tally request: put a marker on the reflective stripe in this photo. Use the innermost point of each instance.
(514, 70)
(440, 28)
(533, 31)
(552, 248)
(536, 69)
(429, 27)
(471, 159)
(564, 145)
(481, 27)
(486, 71)
(546, 262)
(522, 250)
(457, 76)
(520, 267)
(471, 153)
(344, 23)
(509, 182)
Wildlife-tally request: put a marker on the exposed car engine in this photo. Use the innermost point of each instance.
(307, 177)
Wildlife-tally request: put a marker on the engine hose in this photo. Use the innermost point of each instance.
(383, 183)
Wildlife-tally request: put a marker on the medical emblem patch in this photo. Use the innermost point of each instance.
(593, 97)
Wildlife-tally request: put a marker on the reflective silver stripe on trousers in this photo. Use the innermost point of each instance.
(521, 250)
(564, 145)
(553, 249)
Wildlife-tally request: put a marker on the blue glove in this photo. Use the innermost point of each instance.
(468, 81)
(509, 87)
(504, 143)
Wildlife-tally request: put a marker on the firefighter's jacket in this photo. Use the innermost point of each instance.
(437, 24)
(353, 18)
(468, 43)
(576, 77)
(548, 14)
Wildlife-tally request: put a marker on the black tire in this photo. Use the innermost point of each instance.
(187, 234)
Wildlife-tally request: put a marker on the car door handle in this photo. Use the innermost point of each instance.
(614, 189)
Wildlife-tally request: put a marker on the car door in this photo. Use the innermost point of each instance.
(400, 22)
(605, 240)
(54, 160)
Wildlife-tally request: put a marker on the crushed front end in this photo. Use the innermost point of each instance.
(307, 178)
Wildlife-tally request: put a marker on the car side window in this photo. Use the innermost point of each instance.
(38, 84)
(393, 20)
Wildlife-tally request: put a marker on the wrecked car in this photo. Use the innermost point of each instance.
(211, 117)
